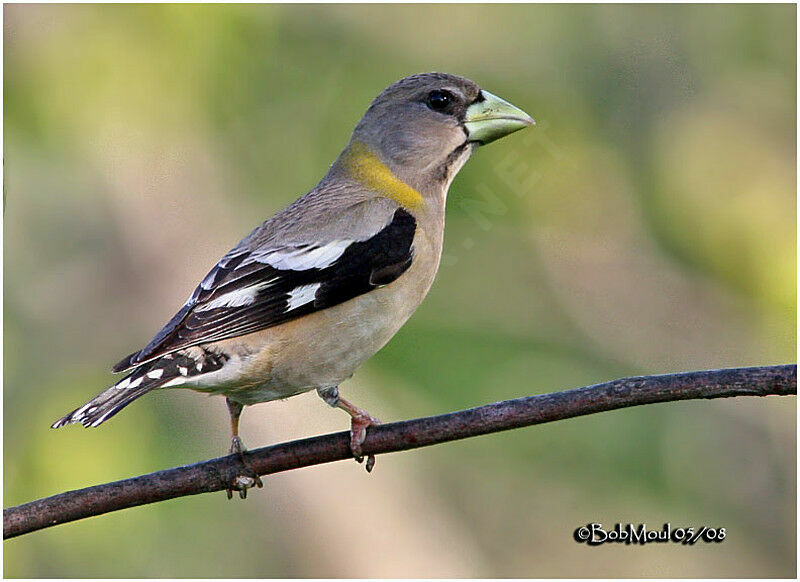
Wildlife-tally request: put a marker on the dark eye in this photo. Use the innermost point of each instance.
(439, 100)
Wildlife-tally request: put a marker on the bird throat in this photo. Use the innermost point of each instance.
(368, 170)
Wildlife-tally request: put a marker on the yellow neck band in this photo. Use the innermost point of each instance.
(367, 169)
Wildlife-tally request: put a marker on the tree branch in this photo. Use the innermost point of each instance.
(216, 474)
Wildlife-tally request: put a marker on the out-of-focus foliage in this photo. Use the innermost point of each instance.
(646, 225)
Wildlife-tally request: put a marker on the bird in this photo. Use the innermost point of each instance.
(317, 289)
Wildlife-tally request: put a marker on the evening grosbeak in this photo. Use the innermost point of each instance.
(317, 289)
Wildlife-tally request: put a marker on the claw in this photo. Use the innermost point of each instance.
(360, 420)
(248, 478)
(242, 483)
(358, 434)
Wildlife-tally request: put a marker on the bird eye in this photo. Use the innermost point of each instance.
(439, 100)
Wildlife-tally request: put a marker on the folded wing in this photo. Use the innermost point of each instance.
(251, 290)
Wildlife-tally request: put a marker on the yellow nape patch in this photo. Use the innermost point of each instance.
(367, 169)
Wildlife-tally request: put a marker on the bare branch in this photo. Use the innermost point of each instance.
(216, 474)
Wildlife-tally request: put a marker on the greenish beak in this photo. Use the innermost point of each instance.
(493, 118)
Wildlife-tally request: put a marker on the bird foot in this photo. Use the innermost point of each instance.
(247, 478)
(237, 446)
(359, 424)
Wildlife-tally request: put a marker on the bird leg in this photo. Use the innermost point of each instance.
(241, 482)
(360, 420)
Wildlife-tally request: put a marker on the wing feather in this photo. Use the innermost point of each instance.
(248, 291)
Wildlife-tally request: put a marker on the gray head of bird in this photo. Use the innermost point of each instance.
(424, 127)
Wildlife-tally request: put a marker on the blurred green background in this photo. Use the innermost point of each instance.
(646, 225)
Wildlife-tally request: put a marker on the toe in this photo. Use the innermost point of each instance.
(242, 483)
(244, 477)
(358, 434)
(357, 437)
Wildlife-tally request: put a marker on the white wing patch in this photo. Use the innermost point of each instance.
(237, 298)
(302, 295)
(302, 259)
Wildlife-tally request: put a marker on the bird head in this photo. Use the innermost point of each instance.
(423, 128)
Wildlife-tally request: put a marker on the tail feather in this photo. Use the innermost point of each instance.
(169, 370)
(107, 403)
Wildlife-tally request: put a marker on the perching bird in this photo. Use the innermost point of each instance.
(320, 287)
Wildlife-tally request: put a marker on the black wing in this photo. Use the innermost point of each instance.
(250, 291)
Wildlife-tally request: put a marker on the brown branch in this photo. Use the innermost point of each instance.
(214, 475)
